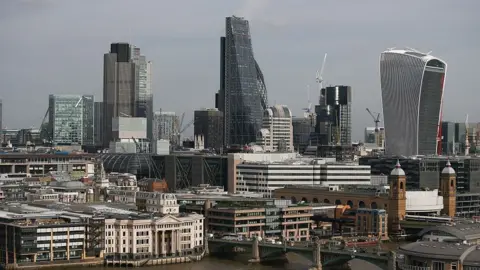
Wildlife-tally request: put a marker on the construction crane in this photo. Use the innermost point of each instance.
(308, 109)
(180, 128)
(376, 120)
(137, 145)
(467, 142)
(319, 77)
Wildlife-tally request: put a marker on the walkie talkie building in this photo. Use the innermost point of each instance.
(412, 93)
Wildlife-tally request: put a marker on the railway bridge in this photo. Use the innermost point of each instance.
(321, 257)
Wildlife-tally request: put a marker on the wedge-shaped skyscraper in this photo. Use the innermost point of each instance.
(243, 95)
(412, 92)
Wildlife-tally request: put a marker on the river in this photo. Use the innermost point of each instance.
(212, 263)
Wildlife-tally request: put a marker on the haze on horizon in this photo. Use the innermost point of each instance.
(57, 47)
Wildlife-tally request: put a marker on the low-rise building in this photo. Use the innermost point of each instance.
(265, 177)
(247, 220)
(466, 232)
(439, 255)
(36, 237)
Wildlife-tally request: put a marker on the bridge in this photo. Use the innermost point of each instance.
(321, 257)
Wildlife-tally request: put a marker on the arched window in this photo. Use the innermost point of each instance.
(401, 185)
(350, 203)
(315, 200)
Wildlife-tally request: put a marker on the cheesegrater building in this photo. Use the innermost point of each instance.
(412, 86)
(242, 96)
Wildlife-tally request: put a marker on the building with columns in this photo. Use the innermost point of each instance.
(157, 230)
(157, 236)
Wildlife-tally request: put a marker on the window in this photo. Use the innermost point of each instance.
(454, 266)
(438, 265)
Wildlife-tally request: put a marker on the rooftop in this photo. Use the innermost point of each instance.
(463, 230)
(443, 251)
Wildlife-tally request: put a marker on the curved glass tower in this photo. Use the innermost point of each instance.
(412, 92)
(245, 95)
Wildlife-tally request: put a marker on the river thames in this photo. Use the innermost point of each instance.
(212, 263)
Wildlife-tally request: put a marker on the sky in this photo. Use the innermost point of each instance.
(57, 46)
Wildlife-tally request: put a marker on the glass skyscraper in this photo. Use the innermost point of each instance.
(143, 88)
(412, 92)
(71, 119)
(243, 95)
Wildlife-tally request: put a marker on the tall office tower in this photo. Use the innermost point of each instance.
(165, 125)
(412, 91)
(119, 83)
(276, 133)
(302, 128)
(70, 119)
(98, 123)
(209, 124)
(143, 88)
(334, 116)
(243, 95)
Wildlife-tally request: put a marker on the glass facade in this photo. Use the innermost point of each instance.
(71, 119)
(412, 90)
(334, 120)
(143, 88)
(245, 94)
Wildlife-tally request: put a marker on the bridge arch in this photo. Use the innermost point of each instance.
(372, 264)
(350, 203)
(315, 200)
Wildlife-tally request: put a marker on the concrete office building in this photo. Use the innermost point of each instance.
(209, 124)
(412, 94)
(242, 96)
(265, 177)
(276, 133)
(71, 119)
(119, 85)
(164, 125)
(302, 129)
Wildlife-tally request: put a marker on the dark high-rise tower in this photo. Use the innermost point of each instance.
(119, 80)
(209, 124)
(243, 95)
(334, 119)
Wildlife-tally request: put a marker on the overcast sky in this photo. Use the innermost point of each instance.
(57, 47)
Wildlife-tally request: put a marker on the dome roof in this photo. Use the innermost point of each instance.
(448, 169)
(278, 111)
(398, 171)
(138, 164)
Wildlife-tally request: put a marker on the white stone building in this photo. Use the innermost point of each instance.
(276, 133)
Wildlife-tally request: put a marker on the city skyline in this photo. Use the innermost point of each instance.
(193, 43)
